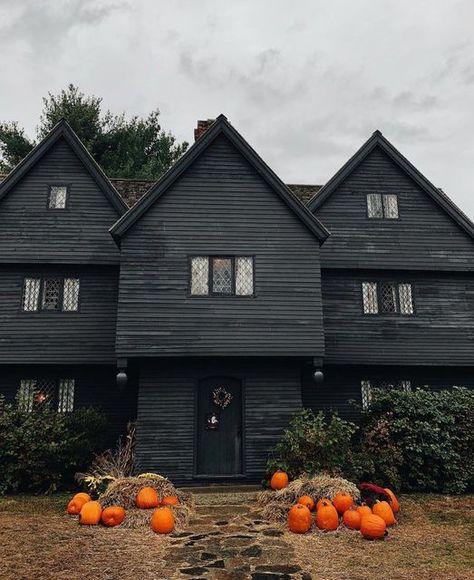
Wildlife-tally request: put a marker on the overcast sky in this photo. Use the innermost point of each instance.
(306, 82)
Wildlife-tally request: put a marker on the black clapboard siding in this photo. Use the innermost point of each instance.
(86, 336)
(341, 392)
(166, 424)
(29, 232)
(440, 332)
(219, 206)
(423, 238)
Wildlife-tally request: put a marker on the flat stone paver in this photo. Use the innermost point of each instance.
(228, 540)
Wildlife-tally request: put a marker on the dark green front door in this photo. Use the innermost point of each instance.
(219, 427)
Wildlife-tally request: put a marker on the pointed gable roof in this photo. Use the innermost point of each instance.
(378, 140)
(63, 130)
(221, 126)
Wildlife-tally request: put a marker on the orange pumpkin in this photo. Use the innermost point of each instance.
(83, 496)
(372, 527)
(393, 500)
(170, 500)
(351, 519)
(279, 480)
(342, 502)
(299, 519)
(383, 509)
(323, 501)
(147, 498)
(76, 503)
(113, 515)
(162, 520)
(326, 516)
(364, 510)
(307, 501)
(90, 513)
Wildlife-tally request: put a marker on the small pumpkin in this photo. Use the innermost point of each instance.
(372, 527)
(364, 510)
(162, 520)
(393, 500)
(76, 503)
(279, 480)
(351, 519)
(323, 501)
(307, 501)
(90, 513)
(147, 498)
(342, 502)
(170, 500)
(299, 519)
(83, 496)
(383, 509)
(113, 516)
(326, 516)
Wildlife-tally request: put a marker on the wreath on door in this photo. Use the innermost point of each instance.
(221, 397)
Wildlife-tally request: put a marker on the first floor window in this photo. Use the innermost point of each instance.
(51, 294)
(367, 388)
(41, 393)
(222, 276)
(387, 298)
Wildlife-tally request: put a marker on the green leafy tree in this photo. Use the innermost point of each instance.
(133, 147)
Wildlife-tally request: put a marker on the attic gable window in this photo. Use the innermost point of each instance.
(387, 298)
(57, 196)
(51, 294)
(382, 206)
(222, 276)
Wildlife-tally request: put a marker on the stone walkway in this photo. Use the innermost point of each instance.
(227, 540)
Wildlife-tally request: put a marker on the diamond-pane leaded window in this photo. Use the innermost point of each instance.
(34, 393)
(406, 298)
(31, 292)
(51, 293)
(366, 393)
(369, 297)
(388, 298)
(66, 395)
(390, 206)
(374, 205)
(71, 294)
(222, 275)
(57, 196)
(367, 387)
(200, 276)
(26, 395)
(244, 276)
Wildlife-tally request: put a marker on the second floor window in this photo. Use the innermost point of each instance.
(387, 297)
(61, 294)
(382, 206)
(222, 276)
(57, 197)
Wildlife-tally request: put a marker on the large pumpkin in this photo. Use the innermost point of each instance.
(364, 510)
(147, 498)
(372, 527)
(90, 513)
(383, 509)
(307, 501)
(279, 480)
(170, 500)
(351, 519)
(162, 520)
(323, 501)
(113, 515)
(299, 519)
(393, 500)
(326, 516)
(342, 502)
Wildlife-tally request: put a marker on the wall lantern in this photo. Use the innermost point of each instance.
(318, 376)
(121, 380)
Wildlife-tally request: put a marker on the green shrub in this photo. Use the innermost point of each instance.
(312, 444)
(40, 451)
(421, 440)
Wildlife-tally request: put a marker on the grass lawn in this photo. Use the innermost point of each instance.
(434, 540)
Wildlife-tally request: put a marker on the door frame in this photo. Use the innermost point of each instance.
(201, 476)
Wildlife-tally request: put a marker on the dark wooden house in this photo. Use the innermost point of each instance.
(221, 292)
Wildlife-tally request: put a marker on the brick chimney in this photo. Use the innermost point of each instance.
(202, 127)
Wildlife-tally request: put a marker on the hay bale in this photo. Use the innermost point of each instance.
(123, 492)
(276, 504)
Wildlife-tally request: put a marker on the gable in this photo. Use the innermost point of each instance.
(424, 237)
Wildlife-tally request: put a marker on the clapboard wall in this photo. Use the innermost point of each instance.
(166, 425)
(30, 232)
(423, 238)
(85, 336)
(221, 206)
